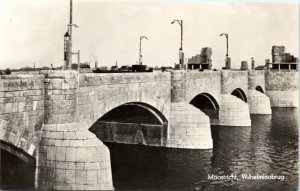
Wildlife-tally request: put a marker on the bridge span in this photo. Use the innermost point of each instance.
(61, 119)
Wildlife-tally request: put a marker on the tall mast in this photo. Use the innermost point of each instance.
(70, 24)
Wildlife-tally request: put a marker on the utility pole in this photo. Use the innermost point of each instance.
(226, 35)
(69, 58)
(227, 58)
(181, 54)
(140, 52)
(68, 40)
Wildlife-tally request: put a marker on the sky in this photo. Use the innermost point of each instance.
(31, 31)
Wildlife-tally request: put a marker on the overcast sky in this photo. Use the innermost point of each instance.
(32, 31)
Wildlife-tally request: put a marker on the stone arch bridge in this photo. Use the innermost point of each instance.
(58, 120)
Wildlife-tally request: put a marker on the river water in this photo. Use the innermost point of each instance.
(268, 147)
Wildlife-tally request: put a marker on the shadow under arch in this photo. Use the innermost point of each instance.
(259, 88)
(239, 93)
(17, 168)
(132, 123)
(208, 104)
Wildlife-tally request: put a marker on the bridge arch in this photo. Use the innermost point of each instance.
(260, 89)
(239, 93)
(19, 171)
(206, 103)
(132, 123)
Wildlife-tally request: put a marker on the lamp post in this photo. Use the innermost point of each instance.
(69, 46)
(140, 52)
(68, 40)
(227, 59)
(226, 35)
(181, 56)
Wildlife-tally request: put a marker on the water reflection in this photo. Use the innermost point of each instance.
(270, 146)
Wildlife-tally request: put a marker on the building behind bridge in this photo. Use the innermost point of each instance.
(282, 60)
(201, 61)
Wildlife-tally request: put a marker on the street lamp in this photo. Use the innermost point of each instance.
(68, 40)
(181, 57)
(227, 59)
(226, 35)
(140, 53)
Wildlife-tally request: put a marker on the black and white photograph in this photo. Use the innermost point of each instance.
(149, 95)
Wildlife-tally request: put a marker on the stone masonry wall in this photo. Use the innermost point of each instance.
(22, 110)
(99, 93)
(259, 103)
(233, 111)
(203, 82)
(70, 156)
(282, 88)
(281, 81)
(189, 128)
(60, 97)
(230, 80)
(256, 78)
(178, 86)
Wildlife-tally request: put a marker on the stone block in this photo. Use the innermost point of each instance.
(56, 84)
(3, 128)
(69, 135)
(51, 153)
(76, 143)
(61, 165)
(80, 165)
(12, 138)
(81, 176)
(60, 156)
(56, 135)
(102, 175)
(65, 142)
(58, 142)
(60, 175)
(105, 165)
(72, 165)
(91, 176)
(92, 165)
(81, 154)
(70, 176)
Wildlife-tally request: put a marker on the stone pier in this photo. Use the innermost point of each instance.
(70, 157)
(189, 128)
(233, 112)
(259, 102)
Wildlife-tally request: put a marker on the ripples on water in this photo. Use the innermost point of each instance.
(270, 146)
